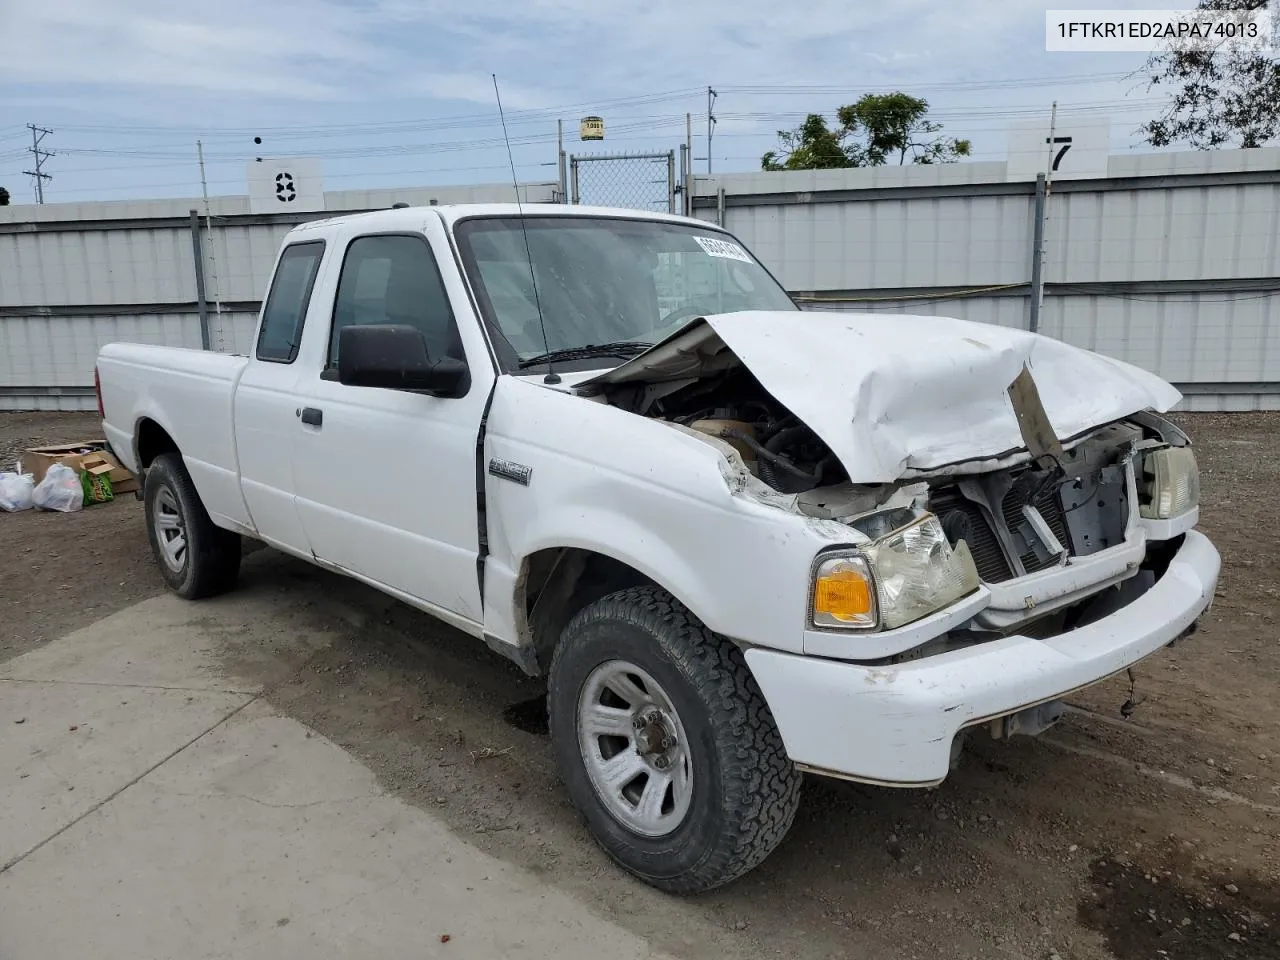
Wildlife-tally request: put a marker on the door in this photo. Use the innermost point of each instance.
(386, 479)
(266, 400)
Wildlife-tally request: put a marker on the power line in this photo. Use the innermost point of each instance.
(786, 89)
(38, 175)
(391, 126)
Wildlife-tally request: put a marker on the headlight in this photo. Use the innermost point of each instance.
(1170, 483)
(893, 581)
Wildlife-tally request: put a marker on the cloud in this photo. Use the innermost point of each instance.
(474, 88)
(419, 71)
(284, 49)
(363, 49)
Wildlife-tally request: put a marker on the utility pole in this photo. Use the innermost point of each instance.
(38, 175)
(560, 168)
(711, 122)
(219, 341)
(1044, 187)
(688, 165)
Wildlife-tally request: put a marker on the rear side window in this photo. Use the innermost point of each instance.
(286, 308)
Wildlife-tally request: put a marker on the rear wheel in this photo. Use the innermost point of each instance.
(666, 745)
(196, 558)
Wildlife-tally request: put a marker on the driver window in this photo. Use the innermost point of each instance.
(394, 279)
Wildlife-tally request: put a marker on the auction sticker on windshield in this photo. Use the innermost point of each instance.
(723, 248)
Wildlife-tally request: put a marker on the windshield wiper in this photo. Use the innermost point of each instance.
(620, 348)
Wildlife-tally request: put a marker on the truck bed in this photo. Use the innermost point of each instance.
(189, 395)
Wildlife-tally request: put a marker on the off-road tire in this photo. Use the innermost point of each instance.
(212, 560)
(745, 788)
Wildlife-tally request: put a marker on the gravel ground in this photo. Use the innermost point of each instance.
(1156, 837)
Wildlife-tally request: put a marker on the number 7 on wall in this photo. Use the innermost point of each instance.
(1057, 157)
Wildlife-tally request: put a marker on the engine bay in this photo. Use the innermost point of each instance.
(775, 445)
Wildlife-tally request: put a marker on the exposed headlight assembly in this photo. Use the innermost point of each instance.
(1169, 484)
(904, 575)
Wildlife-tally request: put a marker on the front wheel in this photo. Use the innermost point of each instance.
(196, 558)
(666, 745)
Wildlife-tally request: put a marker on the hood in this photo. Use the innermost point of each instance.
(894, 395)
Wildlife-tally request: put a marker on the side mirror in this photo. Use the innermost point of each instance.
(394, 356)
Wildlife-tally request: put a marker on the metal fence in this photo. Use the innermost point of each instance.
(76, 276)
(635, 181)
(1171, 262)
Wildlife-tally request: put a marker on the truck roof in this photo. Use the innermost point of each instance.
(407, 218)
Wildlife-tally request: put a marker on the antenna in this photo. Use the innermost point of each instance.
(552, 376)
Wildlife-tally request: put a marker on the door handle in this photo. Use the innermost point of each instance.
(312, 416)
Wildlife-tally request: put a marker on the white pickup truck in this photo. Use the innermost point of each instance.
(739, 539)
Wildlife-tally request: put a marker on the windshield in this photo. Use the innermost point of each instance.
(605, 281)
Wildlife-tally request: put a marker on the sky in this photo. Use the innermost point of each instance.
(399, 92)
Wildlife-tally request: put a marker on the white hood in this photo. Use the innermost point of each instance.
(894, 395)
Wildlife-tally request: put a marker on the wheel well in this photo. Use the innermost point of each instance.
(153, 440)
(558, 582)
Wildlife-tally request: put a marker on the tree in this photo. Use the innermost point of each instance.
(1224, 95)
(880, 128)
(4, 197)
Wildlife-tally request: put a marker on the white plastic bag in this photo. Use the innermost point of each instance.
(15, 491)
(59, 490)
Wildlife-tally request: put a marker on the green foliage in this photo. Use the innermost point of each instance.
(880, 128)
(1223, 96)
(4, 197)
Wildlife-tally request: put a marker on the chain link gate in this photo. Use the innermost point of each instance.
(634, 181)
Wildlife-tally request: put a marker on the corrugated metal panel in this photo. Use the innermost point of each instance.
(40, 401)
(862, 178)
(96, 267)
(1001, 311)
(954, 241)
(237, 331)
(1202, 338)
(242, 262)
(1230, 403)
(1198, 232)
(122, 209)
(61, 351)
(423, 196)
(1182, 162)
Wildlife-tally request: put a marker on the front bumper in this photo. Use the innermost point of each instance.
(895, 724)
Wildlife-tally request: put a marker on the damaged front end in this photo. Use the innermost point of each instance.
(1030, 533)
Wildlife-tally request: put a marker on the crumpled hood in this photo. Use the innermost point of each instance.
(895, 395)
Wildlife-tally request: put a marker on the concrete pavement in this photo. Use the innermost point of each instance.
(152, 804)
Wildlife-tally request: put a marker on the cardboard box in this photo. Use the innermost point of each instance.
(38, 460)
(95, 478)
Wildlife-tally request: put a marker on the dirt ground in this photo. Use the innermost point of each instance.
(1153, 837)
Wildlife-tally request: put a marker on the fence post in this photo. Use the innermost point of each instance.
(720, 207)
(1037, 259)
(685, 200)
(671, 182)
(573, 178)
(202, 303)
